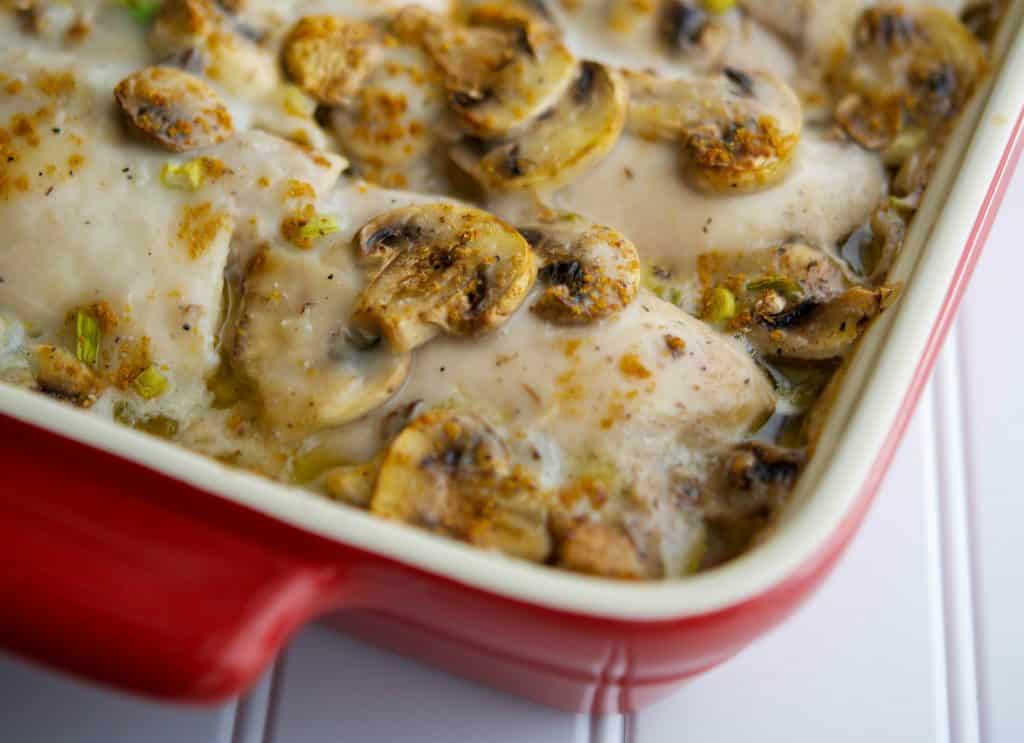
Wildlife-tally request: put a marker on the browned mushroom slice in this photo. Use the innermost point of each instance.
(394, 116)
(738, 129)
(810, 272)
(744, 494)
(450, 472)
(794, 302)
(752, 481)
(310, 371)
(603, 550)
(982, 17)
(915, 65)
(502, 70)
(444, 268)
(573, 135)
(173, 109)
(810, 330)
(872, 248)
(686, 27)
(201, 34)
(329, 57)
(590, 271)
(61, 374)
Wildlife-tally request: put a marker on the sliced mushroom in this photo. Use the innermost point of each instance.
(752, 481)
(687, 28)
(908, 65)
(793, 302)
(738, 129)
(600, 549)
(173, 109)
(442, 268)
(201, 29)
(815, 331)
(811, 272)
(329, 57)
(61, 374)
(310, 370)
(394, 116)
(872, 248)
(982, 17)
(570, 137)
(744, 494)
(502, 70)
(591, 271)
(450, 472)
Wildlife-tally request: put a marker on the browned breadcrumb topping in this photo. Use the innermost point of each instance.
(299, 190)
(676, 346)
(199, 227)
(631, 366)
(293, 224)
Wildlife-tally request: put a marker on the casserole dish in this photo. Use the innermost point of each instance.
(157, 570)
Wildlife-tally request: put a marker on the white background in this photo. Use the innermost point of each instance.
(918, 636)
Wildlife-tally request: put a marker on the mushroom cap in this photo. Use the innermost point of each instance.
(815, 273)
(293, 345)
(605, 550)
(394, 115)
(450, 471)
(502, 70)
(591, 271)
(738, 129)
(200, 33)
(577, 132)
(441, 268)
(329, 57)
(816, 331)
(173, 109)
(919, 63)
(794, 302)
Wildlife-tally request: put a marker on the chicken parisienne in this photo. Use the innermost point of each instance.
(570, 281)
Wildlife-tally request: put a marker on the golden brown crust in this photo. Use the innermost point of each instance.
(173, 109)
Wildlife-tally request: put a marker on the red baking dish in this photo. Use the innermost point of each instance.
(129, 561)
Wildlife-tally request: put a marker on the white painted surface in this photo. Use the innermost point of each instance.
(916, 637)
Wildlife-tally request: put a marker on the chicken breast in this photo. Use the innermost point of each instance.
(93, 218)
(639, 189)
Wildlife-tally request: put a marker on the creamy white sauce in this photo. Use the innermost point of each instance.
(95, 223)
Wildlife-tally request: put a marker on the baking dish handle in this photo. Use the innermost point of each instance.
(122, 575)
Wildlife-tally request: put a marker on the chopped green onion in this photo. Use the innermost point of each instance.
(721, 305)
(187, 177)
(151, 383)
(719, 6)
(787, 287)
(142, 11)
(319, 226)
(87, 344)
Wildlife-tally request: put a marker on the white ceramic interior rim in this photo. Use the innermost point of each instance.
(865, 412)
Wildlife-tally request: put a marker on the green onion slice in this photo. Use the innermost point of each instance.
(151, 383)
(87, 344)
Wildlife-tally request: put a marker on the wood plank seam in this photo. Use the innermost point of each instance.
(955, 553)
(972, 536)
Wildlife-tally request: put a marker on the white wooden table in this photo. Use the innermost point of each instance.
(917, 637)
